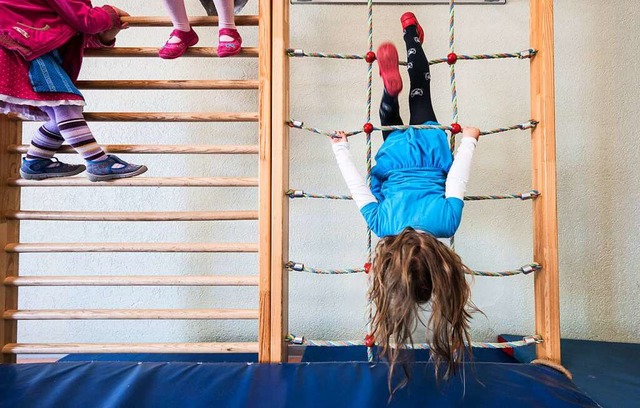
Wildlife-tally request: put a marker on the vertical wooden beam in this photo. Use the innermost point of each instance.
(264, 325)
(10, 133)
(280, 180)
(545, 213)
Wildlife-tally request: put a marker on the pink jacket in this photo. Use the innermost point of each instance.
(36, 27)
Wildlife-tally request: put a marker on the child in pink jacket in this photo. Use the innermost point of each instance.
(42, 44)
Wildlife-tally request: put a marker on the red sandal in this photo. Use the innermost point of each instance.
(408, 19)
(175, 50)
(387, 56)
(229, 48)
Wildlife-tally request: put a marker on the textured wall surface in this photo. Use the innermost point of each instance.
(598, 184)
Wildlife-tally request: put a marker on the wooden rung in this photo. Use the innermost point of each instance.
(132, 216)
(138, 314)
(152, 348)
(129, 247)
(200, 21)
(157, 149)
(173, 84)
(134, 52)
(139, 182)
(165, 280)
(171, 116)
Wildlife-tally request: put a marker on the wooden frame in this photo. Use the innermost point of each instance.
(11, 148)
(280, 176)
(10, 133)
(265, 289)
(543, 159)
(545, 240)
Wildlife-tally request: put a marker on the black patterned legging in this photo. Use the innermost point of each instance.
(420, 106)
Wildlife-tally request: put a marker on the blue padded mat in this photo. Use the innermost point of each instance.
(607, 372)
(359, 353)
(167, 358)
(140, 385)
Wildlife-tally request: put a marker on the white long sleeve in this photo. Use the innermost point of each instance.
(359, 190)
(460, 169)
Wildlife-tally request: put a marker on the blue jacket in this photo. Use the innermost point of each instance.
(408, 181)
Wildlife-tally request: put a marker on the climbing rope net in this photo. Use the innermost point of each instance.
(367, 129)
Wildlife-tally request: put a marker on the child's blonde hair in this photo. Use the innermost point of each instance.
(409, 270)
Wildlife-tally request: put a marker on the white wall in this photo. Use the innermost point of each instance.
(596, 79)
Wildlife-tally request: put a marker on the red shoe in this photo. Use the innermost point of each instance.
(408, 19)
(387, 56)
(229, 48)
(175, 50)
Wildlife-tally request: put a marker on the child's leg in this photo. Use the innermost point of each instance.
(226, 15)
(46, 142)
(75, 131)
(420, 105)
(389, 113)
(100, 167)
(229, 40)
(39, 163)
(178, 13)
(389, 72)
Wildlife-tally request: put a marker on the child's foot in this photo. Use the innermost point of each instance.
(178, 43)
(41, 169)
(229, 42)
(389, 71)
(409, 19)
(112, 168)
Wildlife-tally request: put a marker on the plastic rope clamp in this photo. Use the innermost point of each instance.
(532, 340)
(298, 53)
(297, 194)
(527, 269)
(298, 267)
(298, 340)
(297, 124)
(527, 53)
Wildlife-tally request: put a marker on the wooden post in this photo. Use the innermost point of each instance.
(264, 325)
(280, 180)
(10, 133)
(545, 213)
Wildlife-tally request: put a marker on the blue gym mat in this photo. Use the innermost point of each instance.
(359, 353)
(608, 372)
(140, 385)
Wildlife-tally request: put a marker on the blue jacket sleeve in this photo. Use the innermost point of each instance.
(376, 188)
(370, 214)
(451, 221)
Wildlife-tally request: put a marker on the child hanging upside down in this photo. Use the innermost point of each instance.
(416, 196)
(183, 36)
(42, 44)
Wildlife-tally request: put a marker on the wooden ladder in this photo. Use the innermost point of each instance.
(11, 214)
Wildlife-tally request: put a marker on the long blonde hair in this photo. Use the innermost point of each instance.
(409, 270)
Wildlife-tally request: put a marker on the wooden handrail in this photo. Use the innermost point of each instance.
(146, 52)
(156, 149)
(151, 348)
(129, 314)
(139, 182)
(77, 247)
(132, 216)
(168, 84)
(162, 280)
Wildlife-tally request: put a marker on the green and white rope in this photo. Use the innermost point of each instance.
(526, 341)
(532, 194)
(300, 125)
(524, 54)
(523, 270)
